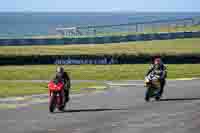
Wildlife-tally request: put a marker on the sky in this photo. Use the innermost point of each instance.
(100, 5)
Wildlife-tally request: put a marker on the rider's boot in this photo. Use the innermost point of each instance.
(162, 88)
(66, 96)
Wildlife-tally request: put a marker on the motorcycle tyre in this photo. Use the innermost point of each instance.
(52, 104)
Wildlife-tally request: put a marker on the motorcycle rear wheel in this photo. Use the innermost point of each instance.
(61, 108)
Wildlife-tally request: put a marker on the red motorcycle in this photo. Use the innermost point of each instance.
(56, 96)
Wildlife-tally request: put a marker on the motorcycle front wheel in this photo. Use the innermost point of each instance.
(52, 103)
(147, 95)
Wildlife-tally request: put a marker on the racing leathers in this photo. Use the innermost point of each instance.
(64, 77)
(160, 70)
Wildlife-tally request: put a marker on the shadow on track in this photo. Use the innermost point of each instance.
(180, 99)
(89, 110)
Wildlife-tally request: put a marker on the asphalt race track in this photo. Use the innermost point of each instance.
(118, 110)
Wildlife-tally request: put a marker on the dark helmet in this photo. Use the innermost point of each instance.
(60, 69)
(158, 61)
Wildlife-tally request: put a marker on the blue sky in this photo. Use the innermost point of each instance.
(100, 5)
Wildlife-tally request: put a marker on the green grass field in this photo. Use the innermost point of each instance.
(95, 72)
(9, 89)
(20, 89)
(168, 47)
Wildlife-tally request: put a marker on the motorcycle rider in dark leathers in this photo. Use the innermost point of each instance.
(62, 76)
(159, 69)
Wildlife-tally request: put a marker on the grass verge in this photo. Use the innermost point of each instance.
(95, 72)
(9, 89)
